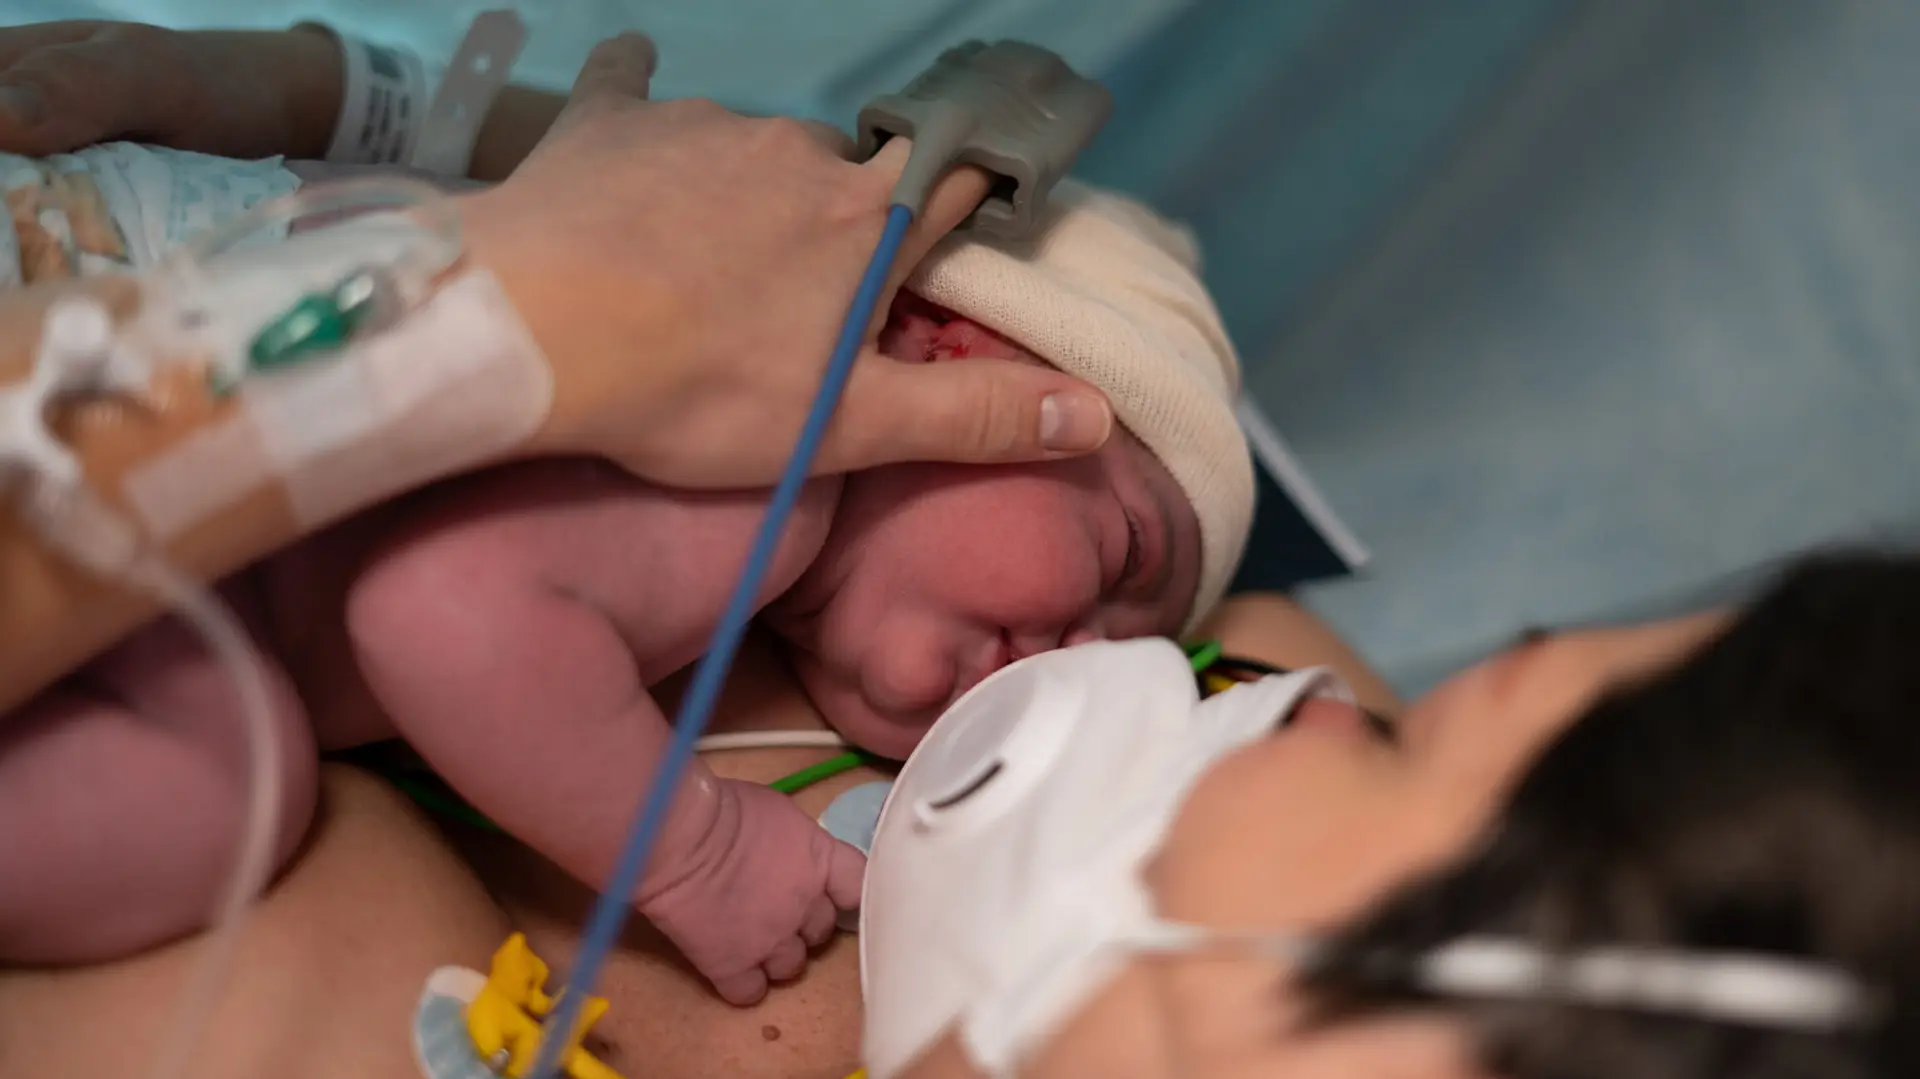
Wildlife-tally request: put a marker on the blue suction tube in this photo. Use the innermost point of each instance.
(611, 910)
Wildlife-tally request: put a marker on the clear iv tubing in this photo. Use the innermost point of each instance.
(91, 533)
(227, 640)
(412, 276)
(611, 908)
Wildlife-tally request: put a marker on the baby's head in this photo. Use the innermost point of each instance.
(935, 576)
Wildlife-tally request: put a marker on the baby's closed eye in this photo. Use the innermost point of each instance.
(1130, 569)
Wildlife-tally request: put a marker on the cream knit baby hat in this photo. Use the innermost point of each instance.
(1110, 293)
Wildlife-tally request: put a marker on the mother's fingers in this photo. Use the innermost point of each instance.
(981, 411)
(622, 65)
(617, 71)
(957, 195)
(837, 142)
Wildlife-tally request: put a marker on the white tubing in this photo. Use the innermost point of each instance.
(770, 740)
(95, 537)
(226, 638)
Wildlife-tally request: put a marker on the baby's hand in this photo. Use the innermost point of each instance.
(766, 885)
(65, 85)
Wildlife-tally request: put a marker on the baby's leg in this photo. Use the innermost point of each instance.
(122, 797)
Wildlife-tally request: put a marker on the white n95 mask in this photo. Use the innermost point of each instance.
(1004, 883)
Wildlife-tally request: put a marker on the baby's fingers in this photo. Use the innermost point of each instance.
(821, 922)
(846, 873)
(746, 988)
(787, 960)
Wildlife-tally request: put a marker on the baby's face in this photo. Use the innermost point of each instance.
(935, 576)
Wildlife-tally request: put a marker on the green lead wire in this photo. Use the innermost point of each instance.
(1203, 654)
(807, 777)
(429, 795)
(444, 804)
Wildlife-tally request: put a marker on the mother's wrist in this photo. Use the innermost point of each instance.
(593, 332)
(499, 241)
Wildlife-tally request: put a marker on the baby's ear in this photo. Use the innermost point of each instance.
(912, 329)
(959, 339)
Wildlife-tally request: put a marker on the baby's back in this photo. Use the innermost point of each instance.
(658, 563)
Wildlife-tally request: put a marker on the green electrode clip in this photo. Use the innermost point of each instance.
(1013, 109)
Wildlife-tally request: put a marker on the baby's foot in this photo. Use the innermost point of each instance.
(764, 885)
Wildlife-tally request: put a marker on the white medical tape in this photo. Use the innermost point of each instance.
(192, 481)
(480, 69)
(383, 102)
(461, 381)
(455, 383)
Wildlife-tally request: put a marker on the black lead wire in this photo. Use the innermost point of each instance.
(1242, 669)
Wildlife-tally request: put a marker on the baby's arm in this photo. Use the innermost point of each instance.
(529, 702)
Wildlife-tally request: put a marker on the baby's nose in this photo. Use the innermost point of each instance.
(1035, 641)
(1082, 635)
(1032, 642)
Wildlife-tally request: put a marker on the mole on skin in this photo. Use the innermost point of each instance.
(770, 1033)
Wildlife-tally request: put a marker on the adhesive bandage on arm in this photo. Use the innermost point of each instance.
(251, 392)
(364, 359)
(349, 363)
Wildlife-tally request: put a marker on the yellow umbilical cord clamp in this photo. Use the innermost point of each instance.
(504, 1020)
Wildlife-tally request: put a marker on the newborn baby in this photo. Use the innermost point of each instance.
(510, 624)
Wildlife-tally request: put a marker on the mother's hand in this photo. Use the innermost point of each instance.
(686, 270)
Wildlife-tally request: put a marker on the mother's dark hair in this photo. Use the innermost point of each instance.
(1763, 796)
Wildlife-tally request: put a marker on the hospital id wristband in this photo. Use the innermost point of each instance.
(479, 71)
(383, 102)
(386, 116)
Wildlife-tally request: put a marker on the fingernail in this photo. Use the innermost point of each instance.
(1074, 421)
(24, 103)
